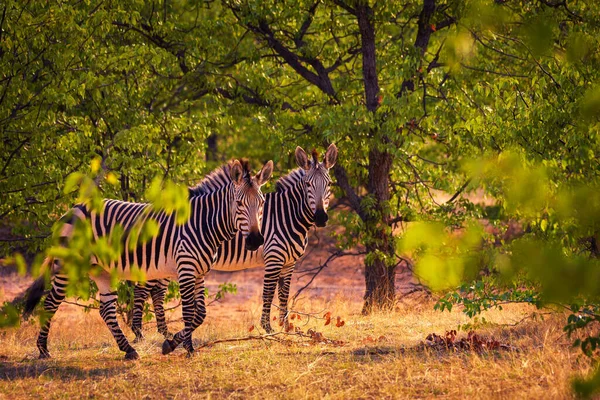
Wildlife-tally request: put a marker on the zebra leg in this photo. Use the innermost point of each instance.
(283, 289)
(140, 295)
(187, 286)
(108, 312)
(51, 304)
(158, 300)
(199, 315)
(270, 282)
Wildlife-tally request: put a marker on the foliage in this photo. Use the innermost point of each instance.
(550, 265)
(10, 315)
(222, 290)
(423, 98)
(143, 87)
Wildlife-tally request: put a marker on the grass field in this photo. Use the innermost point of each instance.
(381, 358)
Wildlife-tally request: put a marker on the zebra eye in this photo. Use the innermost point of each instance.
(239, 202)
(308, 183)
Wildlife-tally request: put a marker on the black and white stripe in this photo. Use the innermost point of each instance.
(300, 201)
(225, 201)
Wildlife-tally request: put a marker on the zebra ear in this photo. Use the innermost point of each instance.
(236, 172)
(302, 158)
(265, 173)
(330, 156)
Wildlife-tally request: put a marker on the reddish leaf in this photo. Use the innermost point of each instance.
(433, 28)
(251, 328)
(293, 316)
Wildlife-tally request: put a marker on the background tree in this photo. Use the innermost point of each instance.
(407, 91)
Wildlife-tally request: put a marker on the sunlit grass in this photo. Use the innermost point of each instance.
(87, 363)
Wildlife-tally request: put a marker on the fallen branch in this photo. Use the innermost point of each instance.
(88, 306)
(313, 336)
(309, 315)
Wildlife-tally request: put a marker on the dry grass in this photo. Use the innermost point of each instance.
(88, 364)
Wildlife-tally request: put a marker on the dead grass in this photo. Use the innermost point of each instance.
(87, 363)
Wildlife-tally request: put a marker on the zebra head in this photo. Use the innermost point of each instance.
(317, 180)
(249, 201)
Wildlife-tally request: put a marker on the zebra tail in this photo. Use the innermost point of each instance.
(34, 293)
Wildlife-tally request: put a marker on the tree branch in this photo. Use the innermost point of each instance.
(319, 79)
(171, 47)
(424, 31)
(459, 191)
(369, 62)
(424, 26)
(318, 270)
(344, 184)
(298, 39)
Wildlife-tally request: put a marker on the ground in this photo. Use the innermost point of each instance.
(381, 357)
(377, 356)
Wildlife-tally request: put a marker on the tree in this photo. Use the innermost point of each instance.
(407, 90)
(410, 89)
(331, 83)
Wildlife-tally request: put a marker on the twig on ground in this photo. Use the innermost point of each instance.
(314, 336)
(316, 315)
(89, 306)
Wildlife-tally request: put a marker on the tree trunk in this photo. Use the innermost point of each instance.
(380, 282)
(380, 271)
(211, 147)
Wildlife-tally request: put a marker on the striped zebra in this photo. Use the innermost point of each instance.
(227, 200)
(299, 202)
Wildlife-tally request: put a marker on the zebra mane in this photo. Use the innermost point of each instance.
(219, 178)
(286, 182)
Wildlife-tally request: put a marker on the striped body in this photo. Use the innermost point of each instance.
(288, 215)
(194, 243)
(226, 200)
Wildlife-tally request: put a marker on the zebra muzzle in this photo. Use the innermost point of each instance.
(321, 218)
(254, 241)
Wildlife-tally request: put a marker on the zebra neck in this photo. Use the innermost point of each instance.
(212, 215)
(295, 209)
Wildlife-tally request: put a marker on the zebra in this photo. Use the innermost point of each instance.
(227, 200)
(300, 201)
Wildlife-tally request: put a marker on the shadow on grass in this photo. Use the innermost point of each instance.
(381, 353)
(14, 370)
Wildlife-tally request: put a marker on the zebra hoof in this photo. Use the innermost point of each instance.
(167, 347)
(138, 339)
(190, 354)
(267, 328)
(44, 355)
(132, 355)
(167, 335)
